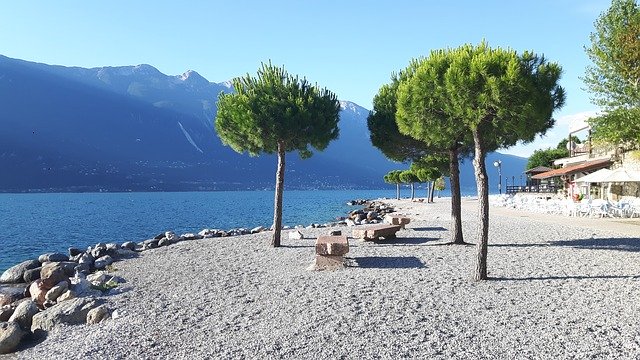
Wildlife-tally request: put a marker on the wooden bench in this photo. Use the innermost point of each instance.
(330, 251)
(397, 220)
(376, 232)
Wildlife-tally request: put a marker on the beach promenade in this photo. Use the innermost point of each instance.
(560, 288)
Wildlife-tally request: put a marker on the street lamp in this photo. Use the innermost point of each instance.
(498, 164)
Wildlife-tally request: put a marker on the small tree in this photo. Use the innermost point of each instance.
(393, 177)
(614, 76)
(545, 157)
(440, 185)
(496, 96)
(408, 177)
(277, 113)
(419, 116)
(428, 169)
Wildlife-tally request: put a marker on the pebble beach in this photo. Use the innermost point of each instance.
(559, 288)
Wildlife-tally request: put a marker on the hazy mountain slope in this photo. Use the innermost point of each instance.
(134, 128)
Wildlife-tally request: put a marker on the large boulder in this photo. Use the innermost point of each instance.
(71, 312)
(86, 258)
(67, 295)
(103, 262)
(51, 274)
(5, 312)
(32, 275)
(82, 287)
(69, 267)
(99, 250)
(24, 313)
(52, 257)
(73, 252)
(97, 314)
(10, 294)
(130, 245)
(15, 274)
(38, 292)
(10, 336)
(56, 291)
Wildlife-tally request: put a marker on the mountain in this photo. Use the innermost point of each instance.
(135, 128)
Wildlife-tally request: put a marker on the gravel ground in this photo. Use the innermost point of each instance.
(557, 290)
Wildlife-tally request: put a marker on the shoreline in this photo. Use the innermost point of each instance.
(411, 297)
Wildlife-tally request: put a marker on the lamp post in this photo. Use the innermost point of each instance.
(498, 164)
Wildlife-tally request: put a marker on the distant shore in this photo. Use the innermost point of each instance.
(407, 298)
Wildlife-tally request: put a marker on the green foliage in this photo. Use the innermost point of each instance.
(430, 168)
(393, 177)
(383, 129)
(507, 97)
(614, 76)
(106, 286)
(276, 107)
(408, 177)
(440, 184)
(546, 157)
(618, 126)
(562, 145)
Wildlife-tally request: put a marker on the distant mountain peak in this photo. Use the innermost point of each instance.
(353, 107)
(192, 77)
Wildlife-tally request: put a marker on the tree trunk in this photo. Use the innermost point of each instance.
(413, 192)
(429, 185)
(397, 191)
(277, 207)
(480, 169)
(431, 191)
(456, 207)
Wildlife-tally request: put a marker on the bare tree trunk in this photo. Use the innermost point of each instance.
(456, 206)
(277, 207)
(397, 191)
(480, 272)
(413, 192)
(429, 185)
(431, 191)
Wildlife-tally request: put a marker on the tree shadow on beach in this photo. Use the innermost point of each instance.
(621, 244)
(403, 241)
(388, 262)
(299, 246)
(434, 228)
(521, 245)
(567, 277)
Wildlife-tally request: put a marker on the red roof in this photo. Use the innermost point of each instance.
(585, 166)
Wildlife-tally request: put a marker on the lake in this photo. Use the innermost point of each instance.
(33, 224)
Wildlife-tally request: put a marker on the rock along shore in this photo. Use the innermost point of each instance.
(557, 291)
(35, 295)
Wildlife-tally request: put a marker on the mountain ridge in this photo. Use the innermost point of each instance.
(135, 128)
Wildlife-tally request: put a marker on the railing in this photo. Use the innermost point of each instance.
(512, 189)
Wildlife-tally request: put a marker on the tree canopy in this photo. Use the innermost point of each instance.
(383, 128)
(277, 108)
(494, 96)
(614, 75)
(275, 112)
(545, 157)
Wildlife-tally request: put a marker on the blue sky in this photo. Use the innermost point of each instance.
(350, 47)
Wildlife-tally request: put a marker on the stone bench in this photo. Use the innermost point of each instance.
(330, 251)
(397, 220)
(376, 232)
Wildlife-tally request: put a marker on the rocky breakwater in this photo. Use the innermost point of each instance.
(39, 294)
(372, 212)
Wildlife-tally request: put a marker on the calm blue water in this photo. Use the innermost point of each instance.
(33, 224)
